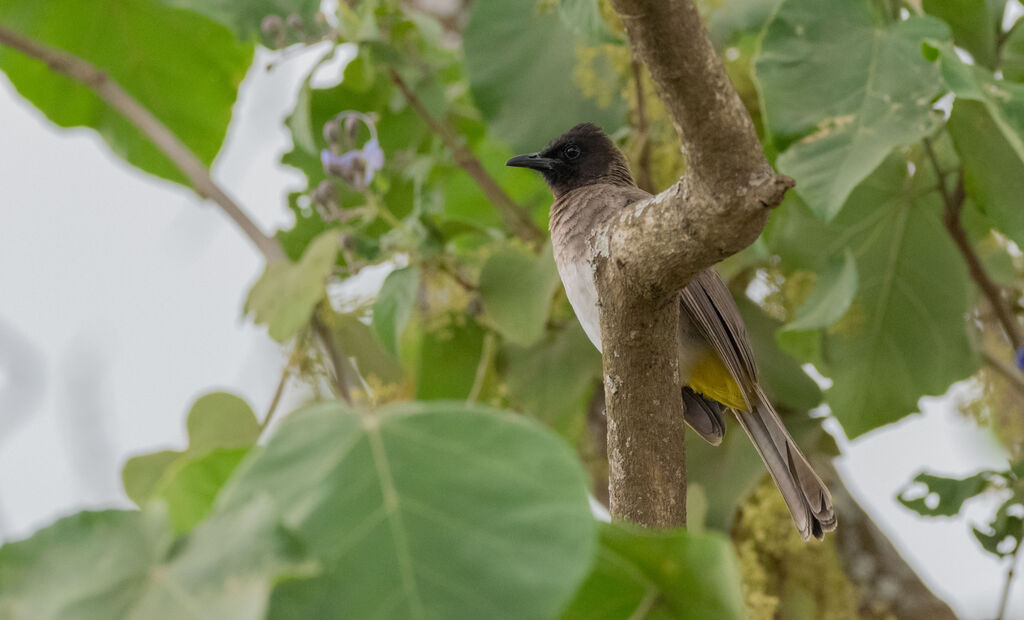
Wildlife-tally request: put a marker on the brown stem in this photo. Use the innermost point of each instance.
(278, 393)
(1005, 598)
(162, 137)
(643, 177)
(954, 205)
(512, 214)
(336, 355)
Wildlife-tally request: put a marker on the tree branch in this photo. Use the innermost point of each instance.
(646, 255)
(514, 216)
(162, 137)
(954, 206)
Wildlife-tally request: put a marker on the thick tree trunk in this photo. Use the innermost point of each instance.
(645, 257)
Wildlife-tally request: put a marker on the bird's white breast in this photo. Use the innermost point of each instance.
(578, 279)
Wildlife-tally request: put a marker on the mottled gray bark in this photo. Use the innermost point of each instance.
(643, 258)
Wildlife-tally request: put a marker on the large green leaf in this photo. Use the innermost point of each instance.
(553, 379)
(183, 67)
(660, 574)
(245, 17)
(904, 336)
(110, 565)
(848, 88)
(436, 510)
(191, 483)
(516, 288)
(987, 125)
(975, 23)
(520, 64)
(448, 359)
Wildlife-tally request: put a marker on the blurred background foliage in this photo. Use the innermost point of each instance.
(892, 271)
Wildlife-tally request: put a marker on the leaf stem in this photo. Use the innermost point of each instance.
(486, 355)
(514, 216)
(336, 355)
(278, 393)
(1005, 598)
(954, 203)
(162, 137)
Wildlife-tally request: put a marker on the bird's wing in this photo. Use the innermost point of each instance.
(707, 302)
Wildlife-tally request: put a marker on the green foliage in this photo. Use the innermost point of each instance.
(583, 19)
(903, 336)
(217, 420)
(394, 305)
(286, 294)
(664, 574)
(424, 510)
(840, 90)
(516, 289)
(181, 66)
(975, 25)
(524, 108)
(554, 379)
(944, 497)
(245, 17)
(117, 564)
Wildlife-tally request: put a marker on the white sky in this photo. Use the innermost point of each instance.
(120, 303)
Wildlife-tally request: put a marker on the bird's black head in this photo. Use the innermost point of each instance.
(584, 155)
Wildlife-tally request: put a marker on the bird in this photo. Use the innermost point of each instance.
(591, 182)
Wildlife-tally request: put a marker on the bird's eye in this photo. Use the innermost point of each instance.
(572, 152)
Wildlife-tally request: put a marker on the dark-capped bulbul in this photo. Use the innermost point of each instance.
(591, 182)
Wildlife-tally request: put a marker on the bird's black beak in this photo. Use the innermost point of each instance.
(533, 161)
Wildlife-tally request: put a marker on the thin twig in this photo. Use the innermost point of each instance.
(1006, 587)
(336, 355)
(514, 216)
(1004, 370)
(278, 393)
(954, 203)
(162, 137)
(486, 355)
(644, 179)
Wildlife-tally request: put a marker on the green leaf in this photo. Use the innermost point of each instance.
(975, 23)
(406, 506)
(783, 379)
(191, 484)
(660, 574)
(947, 494)
(114, 564)
(358, 341)
(831, 298)
(245, 17)
(987, 126)
(1012, 54)
(847, 88)
(181, 66)
(448, 359)
(516, 289)
(583, 19)
(221, 420)
(287, 293)
(141, 474)
(527, 108)
(1004, 526)
(216, 420)
(394, 305)
(904, 336)
(553, 380)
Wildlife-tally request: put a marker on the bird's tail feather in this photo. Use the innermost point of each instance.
(806, 496)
